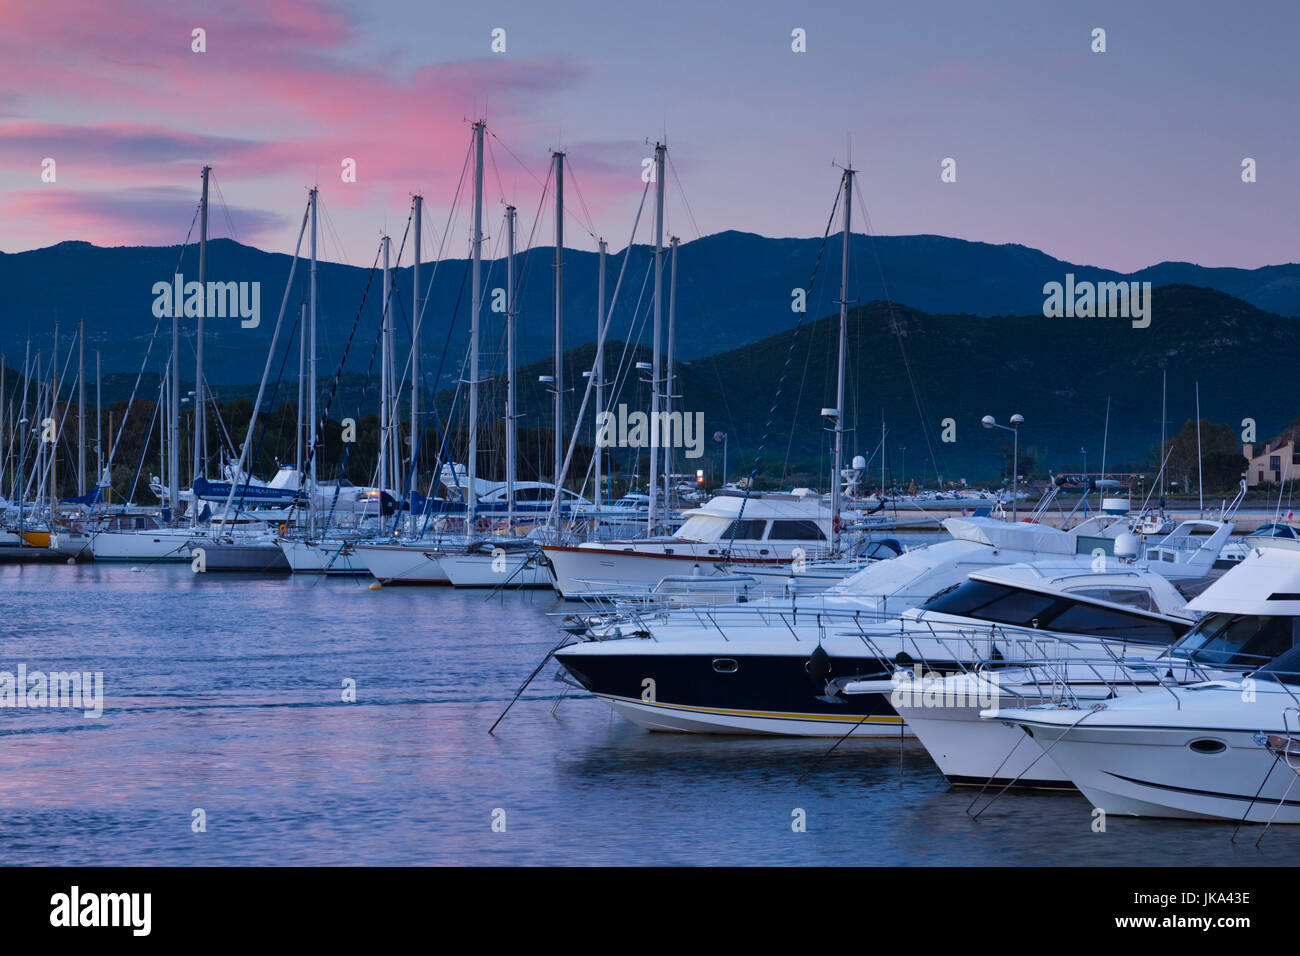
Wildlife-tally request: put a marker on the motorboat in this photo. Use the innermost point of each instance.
(1222, 749)
(780, 673)
(944, 710)
(732, 529)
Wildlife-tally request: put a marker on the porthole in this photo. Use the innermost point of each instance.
(1208, 745)
(725, 665)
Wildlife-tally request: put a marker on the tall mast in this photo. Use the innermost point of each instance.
(38, 401)
(559, 327)
(311, 365)
(99, 422)
(24, 427)
(385, 383)
(476, 292)
(600, 361)
(200, 438)
(510, 369)
(418, 306)
(302, 371)
(53, 407)
(836, 490)
(668, 377)
(173, 430)
(81, 406)
(651, 516)
(38, 466)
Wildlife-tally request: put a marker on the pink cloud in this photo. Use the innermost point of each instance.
(275, 99)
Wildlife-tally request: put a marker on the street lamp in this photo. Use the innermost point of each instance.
(722, 437)
(988, 421)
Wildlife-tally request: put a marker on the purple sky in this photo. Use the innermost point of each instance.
(1118, 159)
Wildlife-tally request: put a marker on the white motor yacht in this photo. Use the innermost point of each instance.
(1226, 749)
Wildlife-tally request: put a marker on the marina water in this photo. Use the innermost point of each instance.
(225, 694)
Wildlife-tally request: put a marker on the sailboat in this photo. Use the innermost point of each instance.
(733, 530)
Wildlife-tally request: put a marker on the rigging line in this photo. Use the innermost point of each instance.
(590, 226)
(446, 231)
(554, 516)
(496, 171)
(636, 328)
(221, 201)
(289, 347)
(798, 404)
(624, 368)
(144, 445)
(893, 323)
(445, 437)
(270, 356)
(316, 438)
(148, 435)
(521, 163)
(780, 384)
(144, 362)
(682, 191)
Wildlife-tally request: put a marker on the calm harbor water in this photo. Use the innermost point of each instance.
(224, 693)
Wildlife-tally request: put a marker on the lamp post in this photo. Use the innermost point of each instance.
(988, 421)
(722, 437)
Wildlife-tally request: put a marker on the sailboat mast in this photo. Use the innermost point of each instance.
(173, 430)
(476, 293)
(837, 491)
(418, 306)
(510, 369)
(23, 430)
(53, 413)
(99, 421)
(385, 383)
(302, 371)
(81, 406)
(600, 362)
(200, 437)
(652, 515)
(559, 325)
(311, 366)
(670, 375)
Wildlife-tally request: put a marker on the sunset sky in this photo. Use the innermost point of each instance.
(1118, 159)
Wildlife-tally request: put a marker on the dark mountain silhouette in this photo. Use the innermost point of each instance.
(734, 289)
(1058, 373)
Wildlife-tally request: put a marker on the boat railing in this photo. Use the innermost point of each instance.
(1057, 666)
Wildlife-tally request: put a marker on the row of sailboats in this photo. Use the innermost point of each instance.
(480, 534)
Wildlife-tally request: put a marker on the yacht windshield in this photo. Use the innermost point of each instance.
(1239, 640)
(1285, 669)
(1003, 604)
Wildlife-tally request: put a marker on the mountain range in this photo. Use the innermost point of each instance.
(733, 289)
(961, 335)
